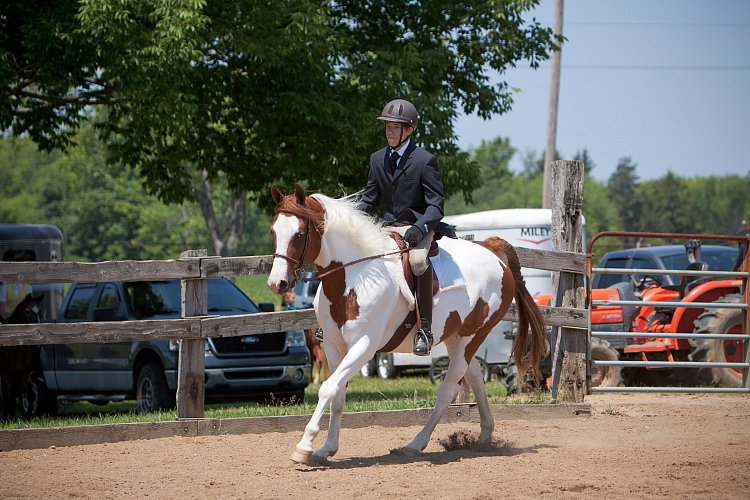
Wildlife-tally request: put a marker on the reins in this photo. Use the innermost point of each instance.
(363, 259)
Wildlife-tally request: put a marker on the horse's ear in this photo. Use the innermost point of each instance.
(276, 194)
(299, 192)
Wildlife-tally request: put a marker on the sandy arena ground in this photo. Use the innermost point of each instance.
(633, 446)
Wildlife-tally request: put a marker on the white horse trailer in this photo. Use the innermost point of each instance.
(521, 227)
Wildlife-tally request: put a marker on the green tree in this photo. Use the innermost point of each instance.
(254, 93)
(663, 204)
(621, 187)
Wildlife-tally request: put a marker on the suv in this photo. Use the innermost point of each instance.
(275, 364)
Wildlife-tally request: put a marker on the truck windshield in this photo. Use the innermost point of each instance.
(718, 259)
(162, 298)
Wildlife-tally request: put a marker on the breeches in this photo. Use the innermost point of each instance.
(418, 259)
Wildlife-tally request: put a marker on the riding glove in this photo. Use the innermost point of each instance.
(413, 236)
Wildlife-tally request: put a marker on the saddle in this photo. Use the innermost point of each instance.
(412, 318)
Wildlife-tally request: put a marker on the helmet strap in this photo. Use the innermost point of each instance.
(401, 138)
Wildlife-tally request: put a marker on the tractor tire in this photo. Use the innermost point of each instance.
(604, 376)
(716, 350)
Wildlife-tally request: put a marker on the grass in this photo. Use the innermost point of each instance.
(256, 287)
(613, 411)
(363, 394)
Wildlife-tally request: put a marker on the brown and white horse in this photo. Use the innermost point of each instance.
(364, 298)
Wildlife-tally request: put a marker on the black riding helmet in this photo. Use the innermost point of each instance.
(400, 111)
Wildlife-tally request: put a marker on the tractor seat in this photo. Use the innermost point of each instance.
(686, 281)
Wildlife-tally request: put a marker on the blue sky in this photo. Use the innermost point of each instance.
(665, 82)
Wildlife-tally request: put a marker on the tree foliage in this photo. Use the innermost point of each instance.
(260, 92)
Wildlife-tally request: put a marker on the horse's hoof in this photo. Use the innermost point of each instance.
(301, 456)
(405, 452)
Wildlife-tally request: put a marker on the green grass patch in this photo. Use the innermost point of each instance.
(256, 287)
(363, 394)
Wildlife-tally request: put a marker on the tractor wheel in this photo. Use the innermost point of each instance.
(717, 350)
(604, 376)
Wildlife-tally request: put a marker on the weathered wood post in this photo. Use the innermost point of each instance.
(192, 360)
(569, 355)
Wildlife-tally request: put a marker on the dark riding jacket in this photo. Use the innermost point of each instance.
(413, 195)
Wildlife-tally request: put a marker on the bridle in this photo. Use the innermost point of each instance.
(297, 271)
(403, 247)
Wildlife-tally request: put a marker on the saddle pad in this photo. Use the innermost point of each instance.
(446, 271)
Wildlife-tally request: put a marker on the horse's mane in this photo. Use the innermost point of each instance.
(343, 219)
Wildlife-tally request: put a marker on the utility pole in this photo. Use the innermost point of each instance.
(554, 93)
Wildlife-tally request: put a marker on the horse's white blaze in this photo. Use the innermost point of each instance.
(284, 228)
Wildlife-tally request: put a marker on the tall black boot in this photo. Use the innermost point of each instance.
(423, 337)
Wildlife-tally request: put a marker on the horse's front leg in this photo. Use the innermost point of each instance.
(332, 391)
(334, 357)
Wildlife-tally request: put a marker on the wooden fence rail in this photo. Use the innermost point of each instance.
(197, 327)
(194, 268)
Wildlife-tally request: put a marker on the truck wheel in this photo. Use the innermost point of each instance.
(440, 366)
(385, 366)
(510, 377)
(370, 368)
(36, 399)
(604, 376)
(152, 392)
(717, 350)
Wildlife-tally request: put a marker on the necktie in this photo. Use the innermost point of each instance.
(393, 160)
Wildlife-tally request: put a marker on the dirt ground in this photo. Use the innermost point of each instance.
(634, 445)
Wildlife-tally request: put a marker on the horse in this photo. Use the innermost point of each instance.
(319, 364)
(17, 362)
(365, 297)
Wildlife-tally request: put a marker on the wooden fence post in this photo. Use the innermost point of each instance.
(569, 355)
(192, 360)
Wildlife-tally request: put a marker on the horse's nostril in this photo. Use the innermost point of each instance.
(283, 286)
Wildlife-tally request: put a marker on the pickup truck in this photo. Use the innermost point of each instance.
(273, 365)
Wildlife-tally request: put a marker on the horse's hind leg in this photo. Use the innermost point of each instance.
(486, 422)
(446, 394)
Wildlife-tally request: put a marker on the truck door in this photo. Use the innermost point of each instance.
(92, 367)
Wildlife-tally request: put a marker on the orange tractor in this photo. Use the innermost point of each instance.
(632, 291)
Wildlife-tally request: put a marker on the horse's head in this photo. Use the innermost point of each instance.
(27, 311)
(297, 231)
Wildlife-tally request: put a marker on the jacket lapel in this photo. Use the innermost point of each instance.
(406, 162)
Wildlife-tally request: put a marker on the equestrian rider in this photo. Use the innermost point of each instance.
(405, 179)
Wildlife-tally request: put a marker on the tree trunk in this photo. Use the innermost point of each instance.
(226, 237)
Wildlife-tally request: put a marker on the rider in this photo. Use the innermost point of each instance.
(406, 180)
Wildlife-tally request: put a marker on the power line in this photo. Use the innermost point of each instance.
(644, 67)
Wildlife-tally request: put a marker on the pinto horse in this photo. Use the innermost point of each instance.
(17, 362)
(364, 298)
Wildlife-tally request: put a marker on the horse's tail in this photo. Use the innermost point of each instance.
(528, 350)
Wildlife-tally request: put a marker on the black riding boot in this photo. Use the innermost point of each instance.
(423, 337)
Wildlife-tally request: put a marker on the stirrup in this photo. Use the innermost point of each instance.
(319, 334)
(422, 343)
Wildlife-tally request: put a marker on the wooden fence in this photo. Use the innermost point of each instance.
(194, 326)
